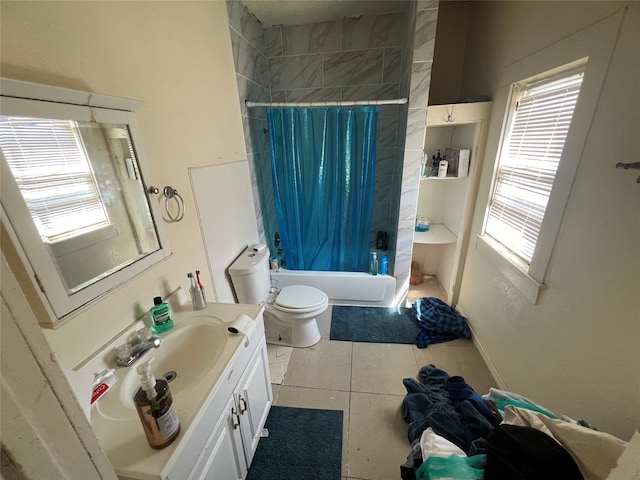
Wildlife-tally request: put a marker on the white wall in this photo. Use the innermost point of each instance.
(176, 58)
(578, 350)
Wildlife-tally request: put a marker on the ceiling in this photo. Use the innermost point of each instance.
(299, 12)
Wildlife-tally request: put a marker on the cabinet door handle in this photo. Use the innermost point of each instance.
(243, 404)
(237, 417)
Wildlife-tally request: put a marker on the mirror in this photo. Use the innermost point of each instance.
(74, 195)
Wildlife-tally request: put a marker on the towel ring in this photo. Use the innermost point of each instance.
(172, 193)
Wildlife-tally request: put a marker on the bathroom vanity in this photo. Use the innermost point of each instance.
(222, 393)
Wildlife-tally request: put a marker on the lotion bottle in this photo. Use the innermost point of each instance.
(155, 408)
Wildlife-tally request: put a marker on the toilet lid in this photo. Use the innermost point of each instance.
(300, 296)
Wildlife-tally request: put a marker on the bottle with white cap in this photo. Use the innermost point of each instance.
(155, 408)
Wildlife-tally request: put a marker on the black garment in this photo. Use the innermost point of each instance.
(524, 453)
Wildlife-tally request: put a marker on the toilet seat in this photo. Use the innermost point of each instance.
(300, 299)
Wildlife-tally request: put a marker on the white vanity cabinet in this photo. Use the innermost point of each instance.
(226, 450)
(222, 410)
(253, 401)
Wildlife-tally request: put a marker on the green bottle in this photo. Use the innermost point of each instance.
(160, 316)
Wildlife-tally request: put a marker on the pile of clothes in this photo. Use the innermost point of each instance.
(438, 321)
(457, 434)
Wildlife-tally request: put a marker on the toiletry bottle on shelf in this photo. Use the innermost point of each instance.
(160, 316)
(373, 263)
(155, 408)
(442, 168)
(384, 265)
(197, 293)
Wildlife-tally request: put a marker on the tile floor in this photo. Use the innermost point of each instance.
(430, 287)
(364, 380)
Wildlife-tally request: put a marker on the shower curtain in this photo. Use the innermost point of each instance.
(323, 172)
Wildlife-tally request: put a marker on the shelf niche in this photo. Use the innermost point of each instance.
(448, 204)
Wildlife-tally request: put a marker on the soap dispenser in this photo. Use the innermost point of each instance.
(155, 408)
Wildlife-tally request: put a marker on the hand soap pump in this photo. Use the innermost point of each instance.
(155, 408)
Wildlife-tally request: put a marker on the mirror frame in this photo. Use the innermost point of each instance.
(31, 99)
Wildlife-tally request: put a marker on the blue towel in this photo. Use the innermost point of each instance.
(438, 322)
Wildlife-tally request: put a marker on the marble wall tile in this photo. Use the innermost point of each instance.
(425, 38)
(392, 65)
(372, 31)
(383, 189)
(241, 20)
(301, 71)
(255, 136)
(331, 94)
(371, 92)
(273, 41)
(411, 168)
(253, 92)
(389, 110)
(385, 161)
(420, 81)
(311, 38)
(252, 171)
(394, 214)
(408, 204)
(361, 67)
(387, 129)
(278, 96)
(250, 63)
(427, 4)
(404, 247)
(416, 125)
(379, 223)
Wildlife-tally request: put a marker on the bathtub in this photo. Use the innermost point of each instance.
(342, 288)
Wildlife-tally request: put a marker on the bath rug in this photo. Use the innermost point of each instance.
(303, 443)
(373, 324)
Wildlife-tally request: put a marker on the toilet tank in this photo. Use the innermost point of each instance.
(250, 274)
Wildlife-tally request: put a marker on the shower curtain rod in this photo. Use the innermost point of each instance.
(397, 101)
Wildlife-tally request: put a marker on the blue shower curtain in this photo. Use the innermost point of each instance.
(323, 170)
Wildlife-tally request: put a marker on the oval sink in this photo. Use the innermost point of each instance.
(190, 349)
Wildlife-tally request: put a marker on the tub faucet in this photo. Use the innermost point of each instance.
(127, 354)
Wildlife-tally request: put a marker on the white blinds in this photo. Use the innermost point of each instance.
(51, 169)
(529, 160)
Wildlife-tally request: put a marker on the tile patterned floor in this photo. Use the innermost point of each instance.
(364, 380)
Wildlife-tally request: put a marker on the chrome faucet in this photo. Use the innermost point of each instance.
(127, 354)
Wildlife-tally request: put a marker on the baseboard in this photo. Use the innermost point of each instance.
(483, 353)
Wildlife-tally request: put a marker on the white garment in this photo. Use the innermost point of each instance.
(495, 393)
(434, 445)
(595, 453)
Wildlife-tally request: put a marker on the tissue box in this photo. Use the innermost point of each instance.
(458, 159)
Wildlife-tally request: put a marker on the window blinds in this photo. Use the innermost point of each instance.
(529, 160)
(50, 166)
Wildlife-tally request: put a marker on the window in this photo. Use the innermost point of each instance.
(537, 128)
(50, 166)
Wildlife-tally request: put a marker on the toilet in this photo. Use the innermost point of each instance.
(290, 313)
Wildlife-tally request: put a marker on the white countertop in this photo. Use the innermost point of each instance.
(124, 441)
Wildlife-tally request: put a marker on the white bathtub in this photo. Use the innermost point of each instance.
(343, 288)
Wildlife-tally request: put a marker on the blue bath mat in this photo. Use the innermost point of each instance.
(303, 443)
(373, 324)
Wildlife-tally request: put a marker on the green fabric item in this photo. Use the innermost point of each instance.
(502, 403)
(452, 467)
